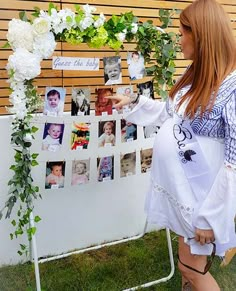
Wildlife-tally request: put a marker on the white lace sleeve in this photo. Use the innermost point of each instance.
(148, 111)
(219, 208)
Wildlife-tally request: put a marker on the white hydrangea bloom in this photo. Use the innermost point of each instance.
(134, 27)
(18, 100)
(56, 21)
(121, 35)
(25, 65)
(41, 26)
(17, 97)
(88, 9)
(14, 85)
(100, 21)
(19, 110)
(85, 23)
(63, 14)
(44, 45)
(20, 34)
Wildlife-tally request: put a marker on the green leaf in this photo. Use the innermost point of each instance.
(13, 222)
(13, 167)
(31, 231)
(34, 129)
(6, 45)
(36, 12)
(11, 236)
(23, 247)
(141, 30)
(34, 163)
(37, 218)
(20, 253)
(23, 16)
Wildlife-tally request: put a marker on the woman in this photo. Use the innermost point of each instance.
(193, 175)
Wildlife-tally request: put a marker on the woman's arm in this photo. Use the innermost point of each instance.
(145, 111)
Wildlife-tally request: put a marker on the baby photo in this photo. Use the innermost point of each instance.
(105, 168)
(55, 175)
(80, 135)
(127, 164)
(52, 136)
(128, 131)
(146, 160)
(150, 130)
(146, 89)
(80, 172)
(54, 101)
(136, 65)
(112, 70)
(80, 101)
(125, 90)
(103, 106)
(106, 133)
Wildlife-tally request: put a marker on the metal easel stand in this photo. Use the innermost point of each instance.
(36, 261)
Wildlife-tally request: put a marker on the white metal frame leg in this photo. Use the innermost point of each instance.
(35, 255)
(164, 279)
(171, 271)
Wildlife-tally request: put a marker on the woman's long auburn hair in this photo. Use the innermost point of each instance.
(214, 54)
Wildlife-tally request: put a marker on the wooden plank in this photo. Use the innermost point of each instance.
(139, 3)
(141, 10)
(14, 4)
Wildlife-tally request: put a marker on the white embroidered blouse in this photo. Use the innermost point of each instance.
(170, 200)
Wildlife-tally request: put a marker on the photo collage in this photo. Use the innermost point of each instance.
(80, 129)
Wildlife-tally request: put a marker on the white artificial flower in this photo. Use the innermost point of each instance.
(160, 29)
(56, 22)
(45, 15)
(28, 137)
(44, 45)
(20, 34)
(85, 23)
(121, 35)
(19, 110)
(134, 27)
(14, 85)
(100, 21)
(41, 26)
(64, 14)
(88, 9)
(25, 65)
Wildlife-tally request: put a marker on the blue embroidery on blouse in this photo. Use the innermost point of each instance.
(220, 122)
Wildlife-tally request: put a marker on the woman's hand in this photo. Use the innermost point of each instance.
(204, 236)
(119, 100)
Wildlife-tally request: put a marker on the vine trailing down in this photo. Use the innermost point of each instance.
(33, 40)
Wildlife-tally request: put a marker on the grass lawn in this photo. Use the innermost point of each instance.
(109, 269)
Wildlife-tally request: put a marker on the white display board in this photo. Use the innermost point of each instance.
(78, 216)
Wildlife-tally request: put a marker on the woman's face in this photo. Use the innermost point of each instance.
(186, 43)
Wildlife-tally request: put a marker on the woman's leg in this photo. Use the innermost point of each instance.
(198, 281)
